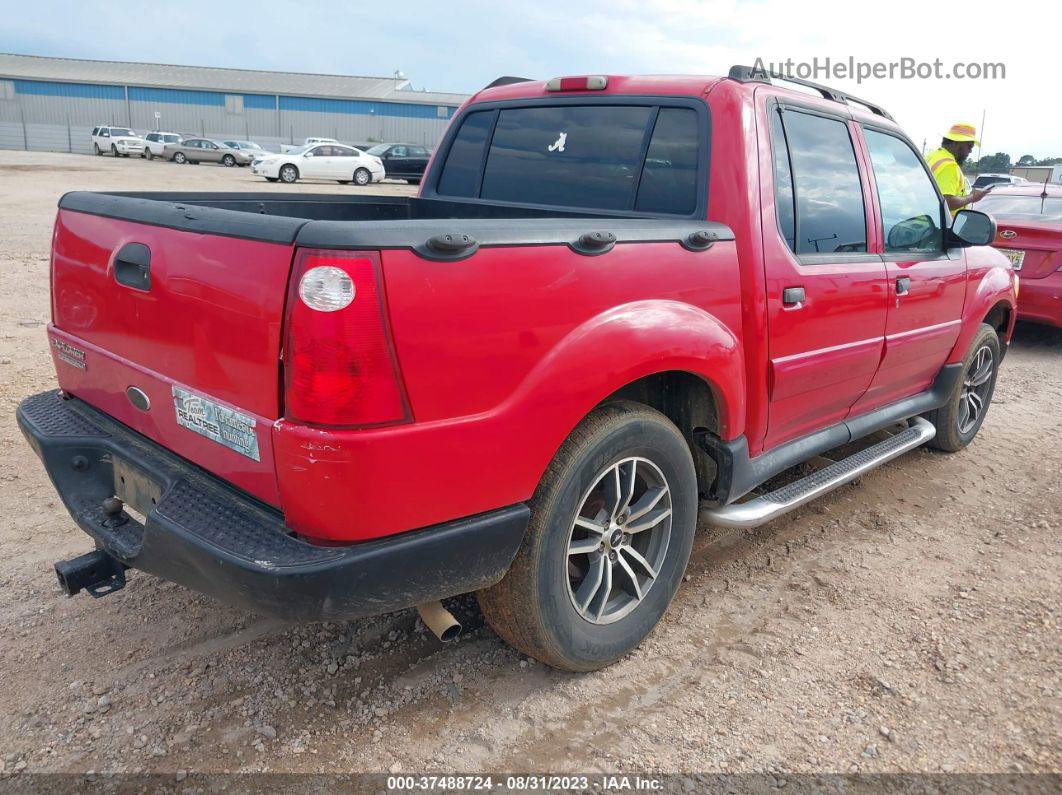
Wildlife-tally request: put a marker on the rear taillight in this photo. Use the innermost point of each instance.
(339, 364)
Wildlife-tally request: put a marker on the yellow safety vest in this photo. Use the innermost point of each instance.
(946, 172)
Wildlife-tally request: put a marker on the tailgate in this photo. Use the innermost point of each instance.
(168, 318)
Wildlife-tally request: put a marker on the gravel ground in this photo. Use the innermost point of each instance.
(906, 623)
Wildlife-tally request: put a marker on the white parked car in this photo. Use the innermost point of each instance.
(340, 162)
(116, 140)
(999, 180)
(155, 142)
(284, 148)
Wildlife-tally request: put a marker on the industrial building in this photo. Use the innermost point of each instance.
(52, 104)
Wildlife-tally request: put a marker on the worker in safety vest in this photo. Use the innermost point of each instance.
(946, 165)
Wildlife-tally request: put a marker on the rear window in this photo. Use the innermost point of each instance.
(1046, 209)
(609, 157)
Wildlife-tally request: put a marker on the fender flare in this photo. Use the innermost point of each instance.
(627, 343)
(996, 286)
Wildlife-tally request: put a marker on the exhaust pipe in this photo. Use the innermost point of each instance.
(95, 572)
(440, 621)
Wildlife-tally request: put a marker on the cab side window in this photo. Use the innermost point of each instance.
(910, 209)
(827, 198)
(784, 206)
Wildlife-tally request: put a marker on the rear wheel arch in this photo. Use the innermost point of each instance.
(689, 401)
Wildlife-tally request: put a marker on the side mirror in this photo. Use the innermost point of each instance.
(308, 154)
(973, 228)
(919, 232)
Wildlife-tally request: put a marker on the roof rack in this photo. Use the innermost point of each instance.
(506, 80)
(750, 74)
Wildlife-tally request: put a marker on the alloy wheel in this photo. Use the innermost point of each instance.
(618, 540)
(975, 387)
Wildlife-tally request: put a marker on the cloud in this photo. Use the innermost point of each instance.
(464, 44)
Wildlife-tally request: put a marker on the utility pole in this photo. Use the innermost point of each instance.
(982, 136)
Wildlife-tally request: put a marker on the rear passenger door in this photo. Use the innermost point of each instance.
(826, 299)
(418, 160)
(926, 283)
(318, 163)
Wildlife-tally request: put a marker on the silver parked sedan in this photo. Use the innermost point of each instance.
(203, 150)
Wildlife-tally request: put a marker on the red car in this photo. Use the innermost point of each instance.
(1029, 233)
(615, 299)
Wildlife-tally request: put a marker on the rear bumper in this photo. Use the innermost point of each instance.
(208, 536)
(1040, 300)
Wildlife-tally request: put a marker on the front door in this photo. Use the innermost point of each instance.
(826, 297)
(926, 283)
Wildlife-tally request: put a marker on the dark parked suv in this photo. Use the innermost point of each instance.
(403, 161)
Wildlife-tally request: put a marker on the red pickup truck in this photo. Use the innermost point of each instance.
(614, 300)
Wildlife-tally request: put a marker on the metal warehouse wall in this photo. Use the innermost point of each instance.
(59, 117)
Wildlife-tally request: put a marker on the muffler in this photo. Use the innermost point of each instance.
(95, 572)
(440, 621)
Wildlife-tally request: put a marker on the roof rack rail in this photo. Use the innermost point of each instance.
(750, 74)
(506, 80)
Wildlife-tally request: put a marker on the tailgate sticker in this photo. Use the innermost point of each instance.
(209, 418)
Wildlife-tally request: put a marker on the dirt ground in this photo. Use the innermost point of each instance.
(906, 623)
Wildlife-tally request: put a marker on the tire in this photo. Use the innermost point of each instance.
(228, 160)
(534, 606)
(271, 179)
(958, 421)
(180, 158)
(362, 176)
(114, 150)
(96, 149)
(149, 154)
(288, 174)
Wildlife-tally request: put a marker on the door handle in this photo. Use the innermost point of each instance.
(903, 285)
(792, 296)
(132, 266)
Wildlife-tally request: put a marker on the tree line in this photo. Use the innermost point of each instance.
(1000, 162)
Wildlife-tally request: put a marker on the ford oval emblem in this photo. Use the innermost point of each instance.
(1007, 234)
(138, 398)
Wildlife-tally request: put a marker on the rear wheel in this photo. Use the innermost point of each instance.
(228, 160)
(362, 176)
(958, 421)
(612, 523)
(289, 174)
(180, 157)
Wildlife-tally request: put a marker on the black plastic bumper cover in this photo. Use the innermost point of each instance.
(220, 541)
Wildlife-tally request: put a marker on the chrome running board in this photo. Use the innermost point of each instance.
(761, 510)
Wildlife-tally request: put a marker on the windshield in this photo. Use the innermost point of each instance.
(379, 149)
(298, 150)
(1024, 206)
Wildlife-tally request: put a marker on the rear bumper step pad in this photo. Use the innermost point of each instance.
(763, 509)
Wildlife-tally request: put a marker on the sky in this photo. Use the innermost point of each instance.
(461, 45)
